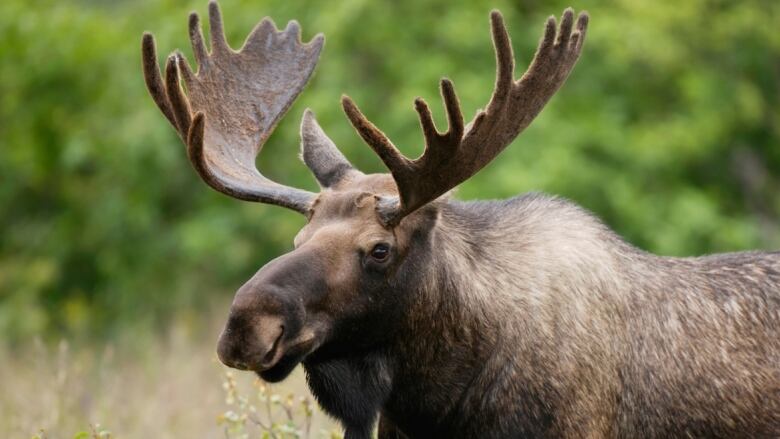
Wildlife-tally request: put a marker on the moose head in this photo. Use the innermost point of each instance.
(345, 285)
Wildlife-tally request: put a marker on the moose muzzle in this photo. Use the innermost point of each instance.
(267, 329)
(251, 343)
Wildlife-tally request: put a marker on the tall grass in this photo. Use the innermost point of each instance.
(172, 388)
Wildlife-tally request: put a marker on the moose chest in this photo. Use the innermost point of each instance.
(351, 389)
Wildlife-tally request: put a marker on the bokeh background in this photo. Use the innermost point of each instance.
(117, 263)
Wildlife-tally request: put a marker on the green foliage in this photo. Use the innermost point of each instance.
(668, 129)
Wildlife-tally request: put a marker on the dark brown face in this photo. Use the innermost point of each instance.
(322, 293)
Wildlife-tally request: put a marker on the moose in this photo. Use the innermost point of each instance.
(525, 317)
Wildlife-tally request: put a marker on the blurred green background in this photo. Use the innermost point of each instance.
(668, 129)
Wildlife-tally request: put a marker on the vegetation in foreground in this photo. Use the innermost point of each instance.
(175, 388)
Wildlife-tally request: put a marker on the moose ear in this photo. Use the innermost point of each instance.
(320, 154)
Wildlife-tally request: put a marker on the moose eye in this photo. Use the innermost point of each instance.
(380, 252)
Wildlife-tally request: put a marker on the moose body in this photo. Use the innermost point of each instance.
(518, 318)
(530, 318)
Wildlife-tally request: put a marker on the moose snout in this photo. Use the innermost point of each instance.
(251, 342)
(268, 315)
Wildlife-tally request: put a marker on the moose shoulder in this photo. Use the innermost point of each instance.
(519, 318)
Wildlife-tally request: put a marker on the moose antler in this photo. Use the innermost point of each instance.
(452, 157)
(234, 102)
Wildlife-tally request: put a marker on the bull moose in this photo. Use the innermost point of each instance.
(525, 317)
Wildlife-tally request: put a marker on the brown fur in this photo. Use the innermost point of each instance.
(574, 333)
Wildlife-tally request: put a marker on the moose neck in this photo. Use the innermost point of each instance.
(451, 305)
(485, 306)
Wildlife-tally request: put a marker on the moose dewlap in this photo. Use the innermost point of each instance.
(519, 318)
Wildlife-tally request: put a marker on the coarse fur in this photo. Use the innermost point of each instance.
(539, 321)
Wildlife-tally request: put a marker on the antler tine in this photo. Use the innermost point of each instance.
(152, 78)
(179, 103)
(237, 99)
(505, 62)
(452, 157)
(218, 40)
(374, 137)
(196, 39)
(582, 27)
(441, 142)
(567, 20)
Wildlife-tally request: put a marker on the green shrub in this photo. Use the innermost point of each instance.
(667, 129)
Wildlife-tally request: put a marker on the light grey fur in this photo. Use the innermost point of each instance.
(609, 340)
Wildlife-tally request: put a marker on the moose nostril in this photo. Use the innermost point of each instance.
(269, 356)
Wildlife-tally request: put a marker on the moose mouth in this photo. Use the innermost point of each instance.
(285, 361)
